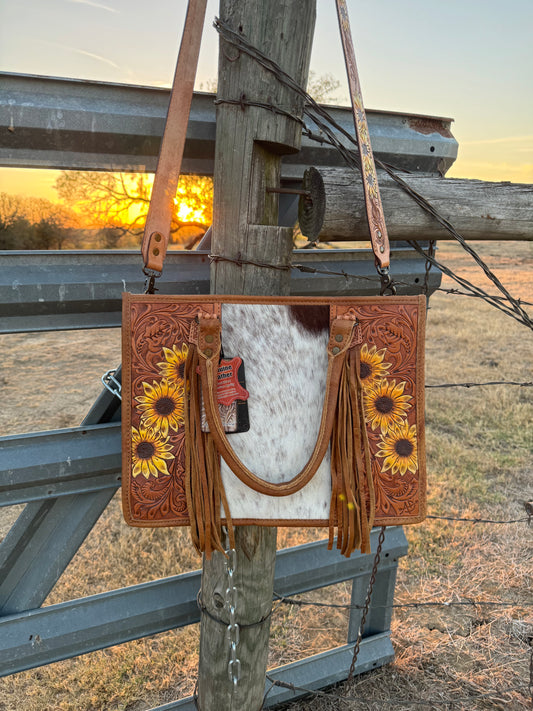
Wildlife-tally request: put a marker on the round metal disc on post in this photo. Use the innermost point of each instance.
(312, 205)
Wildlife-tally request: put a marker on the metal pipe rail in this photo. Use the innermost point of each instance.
(36, 637)
(85, 125)
(50, 290)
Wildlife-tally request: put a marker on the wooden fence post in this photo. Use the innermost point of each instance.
(249, 143)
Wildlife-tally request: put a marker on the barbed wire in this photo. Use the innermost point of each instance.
(506, 303)
(397, 282)
(525, 384)
(323, 120)
(241, 261)
(526, 519)
(456, 292)
(516, 312)
(296, 602)
(528, 505)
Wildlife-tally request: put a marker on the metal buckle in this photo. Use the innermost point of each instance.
(387, 285)
(151, 276)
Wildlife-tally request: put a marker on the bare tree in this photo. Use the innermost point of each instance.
(117, 203)
(34, 223)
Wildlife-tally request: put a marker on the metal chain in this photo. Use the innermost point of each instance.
(232, 630)
(111, 383)
(531, 672)
(367, 603)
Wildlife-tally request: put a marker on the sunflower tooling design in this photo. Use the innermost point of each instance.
(172, 368)
(385, 404)
(161, 409)
(372, 366)
(161, 406)
(149, 452)
(398, 448)
(386, 407)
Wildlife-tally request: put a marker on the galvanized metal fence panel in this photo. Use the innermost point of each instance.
(34, 637)
(76, 460)
(61, 290)
(86, 125)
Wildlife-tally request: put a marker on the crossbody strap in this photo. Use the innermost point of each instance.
(208, 344)
(374, 207)
(158, 221)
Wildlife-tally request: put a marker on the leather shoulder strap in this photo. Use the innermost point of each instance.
(374, 208)
(157, 228)
(158, 221)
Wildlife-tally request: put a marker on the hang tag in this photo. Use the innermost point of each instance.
(232, 397)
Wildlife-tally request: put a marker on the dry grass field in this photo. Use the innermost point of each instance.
(479, 466)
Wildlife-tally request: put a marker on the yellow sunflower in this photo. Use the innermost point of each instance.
(398, 448)
(372, 367)
(161, 406)
(173, 366)
(385, 404)
(148, 452)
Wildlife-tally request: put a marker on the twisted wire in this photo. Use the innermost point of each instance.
(323, 120)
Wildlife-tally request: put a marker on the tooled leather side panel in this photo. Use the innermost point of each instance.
(392, 376)
(153, 477)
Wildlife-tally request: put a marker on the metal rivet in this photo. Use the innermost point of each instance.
(155, 252)
(382, 249)
(336, 350)
(209, 338)
(338, 338)
(157, 236)
(209, 352)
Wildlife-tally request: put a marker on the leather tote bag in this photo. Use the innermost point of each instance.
(280, 411)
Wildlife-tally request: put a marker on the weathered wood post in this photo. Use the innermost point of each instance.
(249, 143)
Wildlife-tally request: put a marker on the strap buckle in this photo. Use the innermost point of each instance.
(151, 276)
(387, 284)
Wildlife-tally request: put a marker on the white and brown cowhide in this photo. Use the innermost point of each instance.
(284, 349)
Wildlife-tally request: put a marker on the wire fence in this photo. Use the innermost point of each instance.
(504, 301)
(330, 129)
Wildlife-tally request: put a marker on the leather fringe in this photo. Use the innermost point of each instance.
(351, 473)
(352, 503)
(203, 481)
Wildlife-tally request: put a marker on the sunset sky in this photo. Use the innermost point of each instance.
(471, 60)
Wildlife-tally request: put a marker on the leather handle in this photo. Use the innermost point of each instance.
(374, 207)
(340, 342)
(159, 218)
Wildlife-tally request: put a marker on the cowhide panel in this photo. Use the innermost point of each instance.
(285, 359)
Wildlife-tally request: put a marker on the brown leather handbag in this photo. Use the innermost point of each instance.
(271, 411)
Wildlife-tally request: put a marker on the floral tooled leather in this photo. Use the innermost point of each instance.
(159, 341)
(157, 330)
(391, 373)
